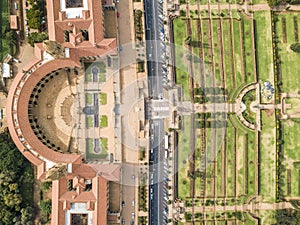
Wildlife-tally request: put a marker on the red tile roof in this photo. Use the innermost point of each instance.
(22, 134)
(13, 20)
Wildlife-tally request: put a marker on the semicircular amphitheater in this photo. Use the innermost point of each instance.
(60, 112)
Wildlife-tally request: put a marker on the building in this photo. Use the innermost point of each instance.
(14, 22)
(41, 120)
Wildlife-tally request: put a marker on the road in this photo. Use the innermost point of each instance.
(158, 169)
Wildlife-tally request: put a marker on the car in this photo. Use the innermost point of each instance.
(26, 22)
(132, 177)
(118, 14)
(132, 222)
(132, 215)
(132, 203)
(123, 203)
(123, 221)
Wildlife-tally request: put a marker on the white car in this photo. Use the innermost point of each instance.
(132, 203)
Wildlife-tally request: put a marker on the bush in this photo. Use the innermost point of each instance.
(45, 206)
(46, 185)
(295, 47)
(37, 38)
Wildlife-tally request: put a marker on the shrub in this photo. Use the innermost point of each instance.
(45, 206)
(46, 185)
(295, 47)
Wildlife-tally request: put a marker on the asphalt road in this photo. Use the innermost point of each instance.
(158, 170)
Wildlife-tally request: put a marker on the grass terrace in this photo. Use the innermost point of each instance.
(103, 121)
(267, 157)
(95, 72)
(287, 32)
(263, 41)
(183, 164)
(89, 121)
(103, 98)
(92, 152)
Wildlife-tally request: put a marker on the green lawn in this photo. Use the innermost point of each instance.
(103, 121)
(89, 98)
(104, 143)
(103, 98)
(88, 77)
(89, 121)
(228, 60)
(238, 56)
(183, 164)
(259, 1)
(289, 69)
(267, 158)
(264, 46)
(90, 149)
(230, 160)
(180, 56)
(291, 131)
(102, 71)
(248, 50)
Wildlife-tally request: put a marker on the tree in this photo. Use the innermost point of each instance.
(45, 206)
(295, 47)
(15, 171)
(34, 18)
(37, 38)
(26, 215)
(273, 3)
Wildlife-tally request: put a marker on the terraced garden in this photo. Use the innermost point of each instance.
(224, 165)
(287, 32)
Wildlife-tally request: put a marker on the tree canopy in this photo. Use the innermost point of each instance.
(287, 217)
(16, 184)
(36, 13)
(36, 37)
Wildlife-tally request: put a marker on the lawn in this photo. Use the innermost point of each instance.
(291, 130)
(267, 158)
(90, 149)
(89, 121)
(241, 163)
(263, 38)
(260, 2)
(88, 77)
(104, 142)
(238, 53)
(89, 99)
(183, 164)
(289, 59)
(103, 121)
(248, 50)
(217, 52)
(228, 60)
(102, 71)
(103, 98)
(230, 160)
(182, 76)
(247, 99)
